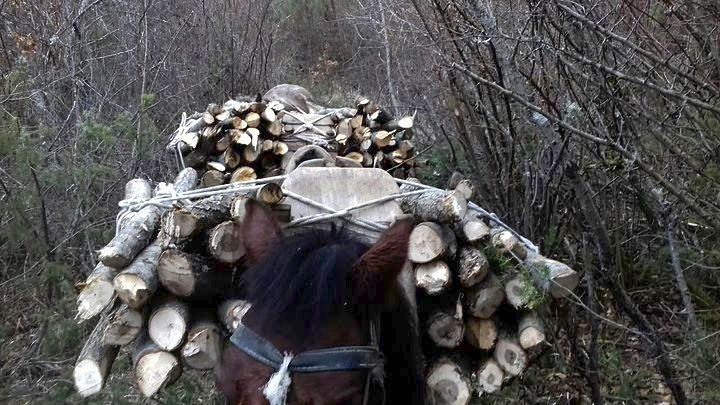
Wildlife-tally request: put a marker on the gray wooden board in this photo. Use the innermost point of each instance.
(339, 188)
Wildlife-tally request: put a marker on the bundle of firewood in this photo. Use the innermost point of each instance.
(162, 290)
(244, 140)
(478, 287)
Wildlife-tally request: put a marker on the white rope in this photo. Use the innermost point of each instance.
(278, 385)
(312, 137)
(166, 200)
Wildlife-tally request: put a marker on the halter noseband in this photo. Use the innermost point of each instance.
(341, 358)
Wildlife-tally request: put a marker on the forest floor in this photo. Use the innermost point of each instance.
(40, 344)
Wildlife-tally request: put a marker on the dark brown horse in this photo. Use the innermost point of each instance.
(318, 290)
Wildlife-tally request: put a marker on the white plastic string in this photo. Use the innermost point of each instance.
(166, 201)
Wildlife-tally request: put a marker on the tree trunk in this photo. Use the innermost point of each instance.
(97, 294)
(448, 383)
(138, 282)
(154, 368)
(94, 362)
(445, 207)
(191, 275)
(473, 267)
(434, 278)
(198, 216)
(430, 241)
(483, 299)
(168, 323)
(124, 325)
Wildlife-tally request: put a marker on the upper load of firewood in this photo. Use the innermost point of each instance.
(163, 288)
(250, 138)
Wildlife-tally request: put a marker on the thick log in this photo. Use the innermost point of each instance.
(226, 242)
(231, 312)
(168, 323)
(446, 328)
(244, 173)
(212, 178)
(399, 123)
(342, 161)
(551, 276)
(510, 356)
(237, 207)
(139, 230)
(473, 266)
(507, 242)
(275, 128)
(202, 214)
(270, 193)
(124, 325)
(190, 275)
(448, 383)
(231, 158)
(484, 298)
(434, 278)
(137, 190)
(252, 119)
(138, 282)
(97, 294)
(154, 368)
(203, 348)
(517, 291)
(480, 333)
(430, 241)
(440, 206)
(473, 229)
(466, 188)
(94, 362)
(531, 331)
(490, 376)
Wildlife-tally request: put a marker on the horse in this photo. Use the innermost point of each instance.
(326, 297)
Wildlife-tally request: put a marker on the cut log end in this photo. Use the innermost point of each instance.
(124, 325)
(155, 371)
(510, 356)
(132, 289)
(203, 347)
(430, 241)
(89, 378)
(93, 298)
(481, 333)
(226, 242)
(490, 376)
(168, 324)
(433, 278)
(445, 329)
(448, 384)
(473, 266)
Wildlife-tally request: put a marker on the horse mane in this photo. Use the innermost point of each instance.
(304, 281)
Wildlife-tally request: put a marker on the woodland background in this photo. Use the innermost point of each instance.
(593, 127)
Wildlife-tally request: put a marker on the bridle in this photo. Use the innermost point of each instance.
(340, 358)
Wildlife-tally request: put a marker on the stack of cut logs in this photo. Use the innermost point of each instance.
(162, 287)
(244, 140)
(477, 289)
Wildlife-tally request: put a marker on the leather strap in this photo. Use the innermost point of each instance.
(343, 358)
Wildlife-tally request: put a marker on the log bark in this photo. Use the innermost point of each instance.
(231, 312)
(430, 241)
(124, 325)
(136, 190)
(490, 376)
(94, 362)
(484, 298)
(203, 348)
(434, 278)
(138, 282)
(139, 230)
(226, 242)
(531, 331)
(448, 383)
(190, 275)
(480, 333)
(440, 206)
(202, 214)
(154, 368)
(97, 294)
(168, 323)
(473, 266)
(510, 356)
(507, 242)
(551, 276)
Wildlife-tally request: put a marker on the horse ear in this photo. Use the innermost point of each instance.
(259, 231)
(379, 267)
